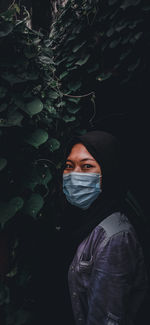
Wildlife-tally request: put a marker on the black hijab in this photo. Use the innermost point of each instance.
(106, 150)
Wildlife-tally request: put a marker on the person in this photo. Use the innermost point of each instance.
(107, 277)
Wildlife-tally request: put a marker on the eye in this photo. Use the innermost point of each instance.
(87, 166)
(68, 166)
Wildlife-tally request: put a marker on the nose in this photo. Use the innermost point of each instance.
(77, 169)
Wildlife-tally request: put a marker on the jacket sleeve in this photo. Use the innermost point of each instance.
(118, 282)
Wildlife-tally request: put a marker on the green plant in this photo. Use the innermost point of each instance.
(32, 124)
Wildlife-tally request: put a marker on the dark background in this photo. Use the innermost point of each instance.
(124, 111)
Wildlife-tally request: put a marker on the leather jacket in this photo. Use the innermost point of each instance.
(107, 277)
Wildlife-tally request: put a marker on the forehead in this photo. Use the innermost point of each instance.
(79, 152)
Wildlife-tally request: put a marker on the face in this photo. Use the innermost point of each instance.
(80, 160)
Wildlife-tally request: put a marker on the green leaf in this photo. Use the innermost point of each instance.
(104, 45)
(74, 100)
(16, 203)
(9, 209)
(64, 74)
(111, 2)
(20, 316)
(146, 8)
(70, 38)
(134, 66)
(125, 54)
(77, 29)
(30, 75)
(37, 138)
(12, 78)
(68, 65)
(53, 94)
(60, 61)
(16, 7)
(30, 51)
(110, 32)
(3, 163)
(114, 43)
(11, 12)
(3, 122)
(71, 58)
(133, 24)
(74, 85)
(83, 61)
(45, 60)
(77, 47)
(68, 118)
(5, 28)
(15, 119)
(138, 35)
(73, 68)
(54, 144)
(46, 177)
(81, 131)
(128, 3)
(94, 68)
(126, 39)
(23, 279)
(52, 111)
(3, 92)
(32, 181)
(4, 294)
(33, 107)
(61, 104)
(104, 76)
(73, 110)
(121, 26)
(12, 273)
(34, 205)
(40, 175)
(115, 12)
(3, 106)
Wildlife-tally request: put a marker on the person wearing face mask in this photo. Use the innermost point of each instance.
(107, 276)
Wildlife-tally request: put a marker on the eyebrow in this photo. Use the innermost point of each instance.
(81, 159)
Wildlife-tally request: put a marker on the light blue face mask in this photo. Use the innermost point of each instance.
(81, 189)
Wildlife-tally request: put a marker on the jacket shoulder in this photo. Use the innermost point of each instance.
(115, 223)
